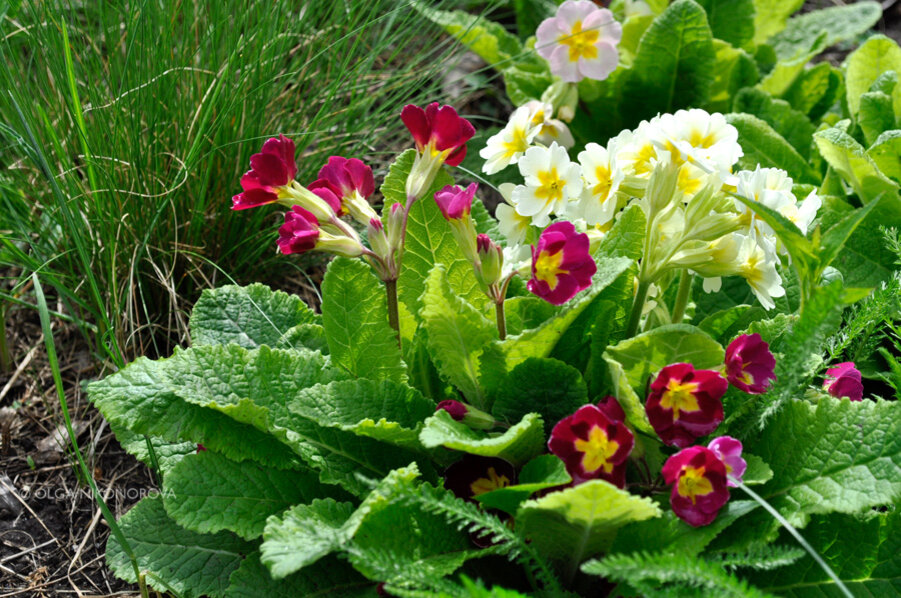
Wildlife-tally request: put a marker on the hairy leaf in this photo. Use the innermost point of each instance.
(850, 160)
(331, 577)
(731, 20)
(517, 445)
(839, 23)
(770, 17)
(762, 145)
(874, 57)
(549, 387)
(792, 125)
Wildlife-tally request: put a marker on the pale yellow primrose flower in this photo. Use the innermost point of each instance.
(757, 264)
(512, 225)
(552, 182)
(550, 130)
(508, 146)
(602, 179)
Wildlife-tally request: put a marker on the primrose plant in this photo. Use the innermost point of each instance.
(514, 402)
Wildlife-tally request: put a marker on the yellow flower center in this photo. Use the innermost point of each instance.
(698, 139)
(687, 184)
(680, 397)
(550, 187)
(581, 43)
(547, 268)
(597, 449)
(487, 484)
(643, 159)
(517, 144)
(693, 483)
(605, 181)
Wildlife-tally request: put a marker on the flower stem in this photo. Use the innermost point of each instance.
(393, 317)
(501, 320)
(682, 297)
(637, 307)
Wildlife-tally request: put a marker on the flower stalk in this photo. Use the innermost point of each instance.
(685, 280)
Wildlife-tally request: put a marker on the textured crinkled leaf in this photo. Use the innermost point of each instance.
(886, 153)
(579, 522)
(486, 38)
(815, 90)
(138, 398)
(673, 67)
(189, 563)
(248, 316)
(758, 472)
(383, 410)
(517, 444)
(864, 552)
(832, 456)
(542, 472)
(839, 23)
(539, 342)
(792, 125)
(549, 387)
(457, 334)
(331, 577)
(626, 238)
(850, 160)
(627, 397)
(876, 115)
(866, 260)
(355, 318)
(735, 69)
(167, 454)
(526, 80)
(731, 20)
(523, 313)
(727, 324)
(764, 146)
(207, 493)
(874, 57)
(304, 336)
(770, 17)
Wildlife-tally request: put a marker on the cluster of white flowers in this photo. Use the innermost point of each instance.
(699, 224)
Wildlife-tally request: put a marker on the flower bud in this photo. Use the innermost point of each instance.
(455, 204)
(750, 365)
(844, 380)
(467, 414)
(662, 186)
(395, 226)
(378, 240)
(491, 260)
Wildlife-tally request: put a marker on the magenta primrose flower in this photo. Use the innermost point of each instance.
(272, 168)
(580, 41)
(844, 380)
(561, 263)
(352, 183)
(728, 450)
(592, 445)
(456, 409)
(302, 232)
(749, 364)
(685, 404)
(473, 475)
(454, 201)
(699, 485)
(438, 130)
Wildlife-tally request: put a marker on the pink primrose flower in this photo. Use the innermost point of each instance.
(561, 264)
(272, 168)
(685, 404)
(299, 233)
(454, 201)
(580, 41)
(438, 130)
(728, 450)
(844, 380)
(749, 364)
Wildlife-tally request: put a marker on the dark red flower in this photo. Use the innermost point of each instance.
(270, 169)
(699, 485)
(299, 233)
(749, 364)
(456, 409)
(592, 445)
(684, 403)
(438, 128)
(349, 176)
(844, 380)
(473, 475)
(561, 263)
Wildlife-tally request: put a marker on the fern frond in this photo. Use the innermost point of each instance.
(403, 577)
(660, 574)
(469, 517)
(761, 557)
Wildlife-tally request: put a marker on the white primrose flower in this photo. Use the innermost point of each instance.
(802, 214)
(757, 264)
(702, 139)
(509, 144)
(549, 129)
(602, 178)
(512, 225)
(552, 181)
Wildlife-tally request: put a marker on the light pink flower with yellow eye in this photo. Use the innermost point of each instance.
(580, 41)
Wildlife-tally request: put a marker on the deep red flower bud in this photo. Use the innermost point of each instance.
(592, 445)
(699, 485)
(749, 364)
(728, 450)
(438, 128)
(473, 475)
(299, 233)
(684, 403)
(270, 169)
(561, 263)
(456, 409)
(200, 448)
(844, 380)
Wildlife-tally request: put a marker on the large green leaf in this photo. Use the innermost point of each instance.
(355, 318)
(839, 23)
(764, 146)
(167, 454)
(172, 557)
(792, 125)
(674, 65)
(518, 444)
(873, 58)
(865, 260)
(331, 577)
(735, 69)
(207, 492)
(886, 153)
(815, 90)
(582, 521)
(549, 387)
(249, 316)
(876, 115)
(457, 334)
(486, 38)
(850, 160)
(770, 17)
(726, 324)
(832, 456)
(527, 79)
(731, 21)
(542, 472)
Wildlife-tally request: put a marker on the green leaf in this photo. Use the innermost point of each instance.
(835, 456)
(850, 160)
(731, 21)
(527, 79)
(865, 260)
(758, 471)
(549, 387)
(762, 145)
(486, 38)
(815, 90)
(840, 23)
(876, 115)
(355, 318)
(792, 125)
(457, 334)
(626, 238)
(429, 241)
(249, 316)
(726, 324)
(674, 65)
(207, 493)
(735, 69)
(835, 239)
(167, 453)
(770, 17)
(787, 71)
(517, 445)
(864, 552)
(634, 27)
(582, 521)
(304, 336)
(331, 577)
(542, 472)
(384, 410)
(873, 58)
(172, 557)
(886, 153)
